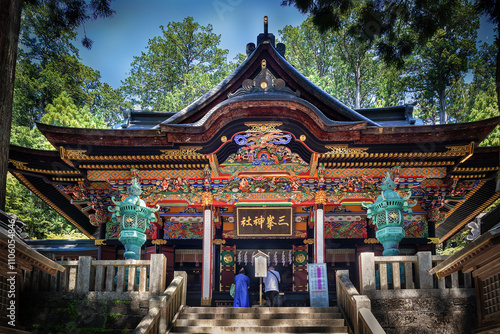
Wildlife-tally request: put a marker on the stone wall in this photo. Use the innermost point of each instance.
(59, 315)
(444, 311)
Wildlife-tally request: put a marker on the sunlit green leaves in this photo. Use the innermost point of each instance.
(63, 112)
(176, 67)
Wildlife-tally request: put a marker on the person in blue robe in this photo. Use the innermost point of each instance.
(242, 284)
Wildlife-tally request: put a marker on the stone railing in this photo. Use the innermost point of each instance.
(104, 279)
(163, 308)
(356, 308)
(405, 272)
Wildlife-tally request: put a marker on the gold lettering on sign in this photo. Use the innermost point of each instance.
(262, 221)
(100, 242)
(159, 242)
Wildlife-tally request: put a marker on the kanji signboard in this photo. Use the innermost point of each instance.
(262, 222)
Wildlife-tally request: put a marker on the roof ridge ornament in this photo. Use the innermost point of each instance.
(266, 38)
(265, 82)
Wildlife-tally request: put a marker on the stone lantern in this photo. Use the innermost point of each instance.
(134, 217)
(387, 214)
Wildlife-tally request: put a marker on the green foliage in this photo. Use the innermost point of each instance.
(486, 106)
(48, 64)
(177, 66)
(455, 244)
(63, 112)
(106, 103)
(26, 137)
(443, 61)
(39, 218)
(343, 64)
(71, 235)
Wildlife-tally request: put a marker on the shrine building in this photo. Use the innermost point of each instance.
(265, 161)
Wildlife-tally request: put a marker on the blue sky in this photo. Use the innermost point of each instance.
(125, 35)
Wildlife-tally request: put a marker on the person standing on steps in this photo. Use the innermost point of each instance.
(241, 284)
(271, 290)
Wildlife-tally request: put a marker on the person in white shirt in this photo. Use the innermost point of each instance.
(271, 290)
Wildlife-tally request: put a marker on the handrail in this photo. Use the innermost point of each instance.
(356, 307)
(163, 308)
(369, 323)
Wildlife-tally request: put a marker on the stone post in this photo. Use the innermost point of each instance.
(158, 274)
(183, 274)
(424, 265)
(83, 276)
(338, 274)
(366, 272)
(360, 301)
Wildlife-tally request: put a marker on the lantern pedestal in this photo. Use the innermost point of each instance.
(390, 237)
(132, 240)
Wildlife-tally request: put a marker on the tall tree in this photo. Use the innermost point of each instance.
(47, 65)
(492, 10)
(64, 13)
(445, 59)
(387, 24)
(10, 23)
(170, 66)
(343, 64)
(314, 55)
(482, 101)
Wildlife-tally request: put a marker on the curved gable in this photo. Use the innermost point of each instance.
(266, 71)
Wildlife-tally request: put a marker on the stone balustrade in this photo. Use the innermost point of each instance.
(163, 308)
(405, 272)
(104, 279)
(356, 307)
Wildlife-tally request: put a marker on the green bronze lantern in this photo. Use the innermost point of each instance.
(134, 217)
(387, 213)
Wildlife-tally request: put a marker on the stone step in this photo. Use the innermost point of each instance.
(261, 329)
(318, 316)
(259, 322)
(261, 310)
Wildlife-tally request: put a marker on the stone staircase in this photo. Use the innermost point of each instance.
(281, 320)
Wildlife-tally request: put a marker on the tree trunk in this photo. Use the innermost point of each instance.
(442, 106)
(497, 70)
(358, 86)
(10, 23)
